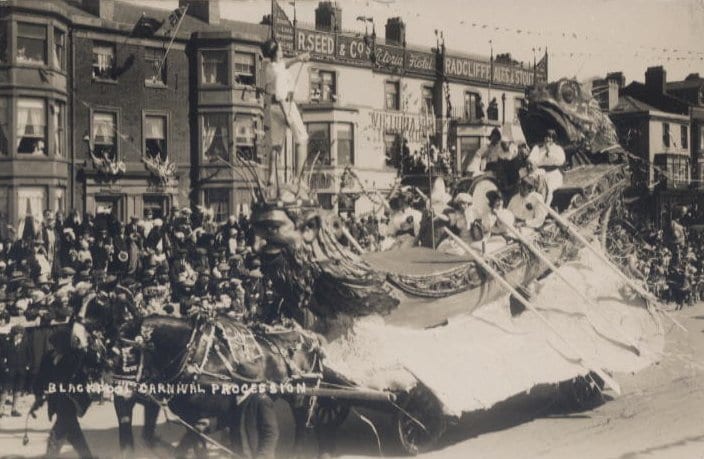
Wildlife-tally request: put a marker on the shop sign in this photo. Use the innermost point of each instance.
(419, 62)
(388, 58)
(354, 50)
(412, 125)
(320, 44)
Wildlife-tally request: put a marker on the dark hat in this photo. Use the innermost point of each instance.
(16, 329)
(68, 272)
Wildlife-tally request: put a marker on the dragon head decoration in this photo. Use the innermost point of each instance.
(309, 269)
(569, 108)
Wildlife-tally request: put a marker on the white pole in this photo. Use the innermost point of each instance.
(491, 271)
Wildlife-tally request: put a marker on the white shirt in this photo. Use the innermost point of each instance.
(278, 80)
(547, 155)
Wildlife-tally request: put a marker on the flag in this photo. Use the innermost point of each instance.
(146, 26)
(282, 28)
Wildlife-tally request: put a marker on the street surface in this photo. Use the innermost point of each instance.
(660, 414)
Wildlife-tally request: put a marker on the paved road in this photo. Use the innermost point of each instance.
(659, 415)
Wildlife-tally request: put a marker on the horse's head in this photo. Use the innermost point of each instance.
(91, 323)
(164, 341)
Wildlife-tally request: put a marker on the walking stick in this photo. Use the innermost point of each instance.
(504, 283)
(637, 288)
(535, 251)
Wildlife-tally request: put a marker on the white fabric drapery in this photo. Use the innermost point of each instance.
(104, 128)
(31, 201)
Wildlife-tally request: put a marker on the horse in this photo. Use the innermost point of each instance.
(208, 351)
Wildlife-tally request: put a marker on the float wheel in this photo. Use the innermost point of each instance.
(422, 421)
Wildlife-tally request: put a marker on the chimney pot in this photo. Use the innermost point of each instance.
(206, 10)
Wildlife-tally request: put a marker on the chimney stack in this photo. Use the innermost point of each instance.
(104, 9)
(206, 10)
(617, 77)
(656, 79)
(328, 17)
(396, 31)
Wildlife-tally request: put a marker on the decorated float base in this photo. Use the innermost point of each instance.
(479, 359)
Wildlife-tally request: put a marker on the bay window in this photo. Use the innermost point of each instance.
(31, 126)
(31, 43)
(319, 142)
(214, 67)
(245, 69)
(345, 144)
(216, 136)
(105, 135)
(104, 61)
(31, 201)
(58, 118)
(155, 140)
(244, 138)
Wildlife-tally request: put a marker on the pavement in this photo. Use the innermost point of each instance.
(660, 414)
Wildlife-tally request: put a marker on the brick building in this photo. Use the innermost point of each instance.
(92, 115)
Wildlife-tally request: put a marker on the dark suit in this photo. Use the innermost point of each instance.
(63, 369)
(256, 429)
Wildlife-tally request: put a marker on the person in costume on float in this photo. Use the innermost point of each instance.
(525, 205)
(549, 157)
(279, 85)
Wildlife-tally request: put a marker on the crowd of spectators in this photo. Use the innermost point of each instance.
(173, 266)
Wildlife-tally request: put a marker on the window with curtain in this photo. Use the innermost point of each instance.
(218, 199)
(58, 118)
(323, 86)
(345, 144)
(59, 49)
(392, 94)
(31, 126)
(244, 138)
(155, 140)
(31, 43)
(104, 61)
(319, 142)
(105, 135)
(471, 99)
(216, 136)
(214, 69)
(31, 201)
(157, 205)
(245, 69)
(154, 69)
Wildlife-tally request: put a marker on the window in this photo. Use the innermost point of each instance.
(216, 136)
(677, 168)
(112, 202)
(345, 144)
(684, 137)
(155, 68)
(319, 142)
(218, 199)
(4, 130)
(666, 134)
(392, 95)
(518, 103)
(392, 149)
(155, 142)
(105, 135)
(428, 105)
(244, 138)
(471, 103)
(31, 126)
(3, 41)
(104, 61)
(323, 86)
(31, 201)
(468, 147)
(245, 69)
(59, 49)
(157, 205)
(31, 43)
(58, 118)
(214, 67)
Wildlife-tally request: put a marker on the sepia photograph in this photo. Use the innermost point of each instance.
(292, 229)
